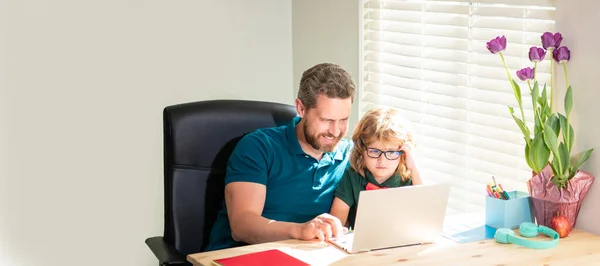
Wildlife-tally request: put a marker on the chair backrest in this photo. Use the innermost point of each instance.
(198, 139)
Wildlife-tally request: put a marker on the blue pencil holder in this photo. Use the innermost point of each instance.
(509, 213)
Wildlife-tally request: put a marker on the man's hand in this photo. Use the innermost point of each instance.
(322, 227)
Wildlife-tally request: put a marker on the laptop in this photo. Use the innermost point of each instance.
(417, 219)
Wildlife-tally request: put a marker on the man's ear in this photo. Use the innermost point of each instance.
(300, 108)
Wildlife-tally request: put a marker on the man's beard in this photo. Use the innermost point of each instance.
(313, 140)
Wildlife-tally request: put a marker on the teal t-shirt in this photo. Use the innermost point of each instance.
(299, 187)
(353, 183)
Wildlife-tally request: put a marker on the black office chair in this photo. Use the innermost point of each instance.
(198, 139)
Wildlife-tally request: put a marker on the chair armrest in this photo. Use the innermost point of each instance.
(164, 252)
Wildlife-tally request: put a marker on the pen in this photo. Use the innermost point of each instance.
(489, 190)
(504, 192)
(497, 190)
(496, 195)
(501, 193)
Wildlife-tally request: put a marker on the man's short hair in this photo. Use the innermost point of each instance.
(325, 78)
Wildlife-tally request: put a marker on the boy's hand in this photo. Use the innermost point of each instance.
(408, 156)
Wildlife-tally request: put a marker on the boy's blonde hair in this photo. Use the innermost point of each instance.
(381, 124)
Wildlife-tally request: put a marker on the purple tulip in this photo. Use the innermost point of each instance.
(562, 54)
(551, 41)
(525, 73)
(536, 54)
(497, 44)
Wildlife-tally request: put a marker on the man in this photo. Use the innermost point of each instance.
(280, 181)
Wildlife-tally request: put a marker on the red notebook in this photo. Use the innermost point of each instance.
(270, 257)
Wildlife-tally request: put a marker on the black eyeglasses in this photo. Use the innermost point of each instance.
(390, 155)
(376, 153)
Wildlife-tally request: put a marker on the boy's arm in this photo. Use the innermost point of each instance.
(416, 177)
(343, 198)
(340, 209)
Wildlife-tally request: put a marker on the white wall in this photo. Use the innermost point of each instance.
(327, 31)
(578, 24)
(83, 84)
(3, 137)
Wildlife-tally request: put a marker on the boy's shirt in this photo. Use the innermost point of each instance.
(353, 183)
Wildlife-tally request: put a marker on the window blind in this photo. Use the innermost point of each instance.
(429, 60)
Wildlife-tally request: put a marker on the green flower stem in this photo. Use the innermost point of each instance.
(567, 131)
(551, 81)
(539, 117)
(535, 71)
(511, 84)
(506, 68)
(536, 111)
(566, 74)
(567, 82)
(536, 114)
